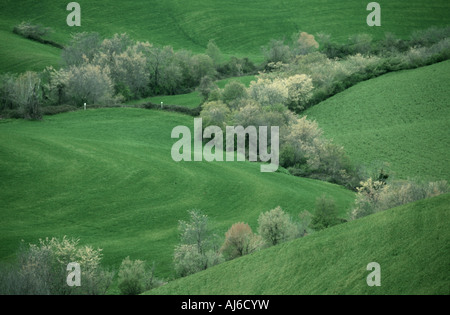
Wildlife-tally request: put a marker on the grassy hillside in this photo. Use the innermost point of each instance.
(106, 176)
(400, 118)
(239, 28)
(411, 243)
(192, 99)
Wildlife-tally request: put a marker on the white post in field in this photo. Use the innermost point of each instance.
(84, 106)
(161, 105)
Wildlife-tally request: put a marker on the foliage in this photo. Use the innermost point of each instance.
(304, 43)
(325, 214)
(215, 113)
(197, 249)
(32, 31)
(86, 83)
(135, 278)
(240, 240)
(41, 269)
(375, 195)
(275, 227)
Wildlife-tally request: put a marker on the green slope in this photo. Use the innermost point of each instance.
(401, 118)
(106, 176)
(411, 243)
(192, 99)
(239, 27)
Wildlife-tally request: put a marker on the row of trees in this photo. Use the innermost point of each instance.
(41, 269)
(375, 195)
(334, 67)
(302, 43)
(200, 248)
(110, 71)
(303, 148)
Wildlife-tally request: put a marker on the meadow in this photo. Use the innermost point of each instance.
(106, 176)
(400, 119)
(239, 28)
(413, 259)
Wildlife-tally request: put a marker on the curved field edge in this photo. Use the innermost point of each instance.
(411, 243)
(401, 118)
(106, 176)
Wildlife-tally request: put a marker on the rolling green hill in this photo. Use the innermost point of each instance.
(239, 28)
(401, 118)
(192, 99)
(411, 243)
(106, 176)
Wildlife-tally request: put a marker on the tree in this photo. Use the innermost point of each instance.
(276, 226)
(215, 114)
(233, 93)
(82, 48)
(196, 231)
(240, 241)
(213, 51)
(42, 269)
(304, 43)
(269, 92)
(86, 83)
(27, 95)
(197, 249)
(202, 65)
(326, 213)
(300, 89)
(206, 86)
(32, 31)
(277, 51)
(134, 277)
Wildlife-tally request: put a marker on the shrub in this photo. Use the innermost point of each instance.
(304, 43)
(305, 223)
(277, 51)
(197, 249)
(28, 96)
(127, 66)
(201, 65)
(206, 86)
(81, 49)
(7, 82)
(32, 31)
(236, 67)
(268, 92)
(41, 269)
(326, 214)
(374, 196)
(86, 83)
(240, 241)
(215, 114)
(300, 89)
(135, 278)
(275, 227)
(213, 51)
(233, 93)
(188, 260)
(360, 44)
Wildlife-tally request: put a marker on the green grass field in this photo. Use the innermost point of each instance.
(192, 99)
(411, 243)
(401, 118)
(239, 28)
(106, 176)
